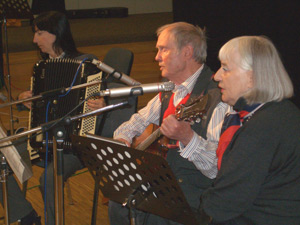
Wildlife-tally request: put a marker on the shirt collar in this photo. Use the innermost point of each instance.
(189, 83)
(62, 55)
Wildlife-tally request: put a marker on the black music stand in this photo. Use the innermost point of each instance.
(11, 9)
(138, 179)
(15, 9)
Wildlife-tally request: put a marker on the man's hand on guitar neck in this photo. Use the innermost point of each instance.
(177, 130)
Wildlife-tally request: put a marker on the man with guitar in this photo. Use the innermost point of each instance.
(192, 147)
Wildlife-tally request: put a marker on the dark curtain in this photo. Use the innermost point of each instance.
(39, 6)
(224, 19)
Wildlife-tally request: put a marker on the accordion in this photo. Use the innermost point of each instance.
(59, 74)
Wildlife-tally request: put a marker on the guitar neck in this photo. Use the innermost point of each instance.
(149, 140)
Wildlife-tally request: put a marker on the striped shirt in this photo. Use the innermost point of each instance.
(203, 152)
(199, 151)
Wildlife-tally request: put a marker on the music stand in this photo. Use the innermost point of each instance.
(138, 179)
(59, 134)
(12, 9)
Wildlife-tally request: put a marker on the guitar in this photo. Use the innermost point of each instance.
(157, 144)
(193, 113)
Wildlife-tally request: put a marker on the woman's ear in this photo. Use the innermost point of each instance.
(250, 79)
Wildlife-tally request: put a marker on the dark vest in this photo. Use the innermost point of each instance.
(191, 180)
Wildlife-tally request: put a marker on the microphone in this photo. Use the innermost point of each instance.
(120, 76)
(138, 90)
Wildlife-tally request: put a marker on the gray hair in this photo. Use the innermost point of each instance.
(184, 34)
(258, 54)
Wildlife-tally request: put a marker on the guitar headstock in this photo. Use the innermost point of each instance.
(193, 112)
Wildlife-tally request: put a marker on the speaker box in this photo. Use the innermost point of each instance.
(112, 12)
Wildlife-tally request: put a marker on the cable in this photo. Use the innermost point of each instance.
(76, 74)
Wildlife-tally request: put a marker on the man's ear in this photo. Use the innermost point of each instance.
(188, 51)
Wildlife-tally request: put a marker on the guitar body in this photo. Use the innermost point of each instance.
(147, 132)
(158, 144)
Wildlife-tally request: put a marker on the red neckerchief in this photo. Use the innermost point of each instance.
(232, 122)
(171, 108)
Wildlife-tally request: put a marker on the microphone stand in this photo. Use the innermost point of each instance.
(3, 180)
(4, 171)
(58, 182)
(18, 10)
(59, 135)
(111, 71)
(58, 171)
(50, 93)
(8, 74)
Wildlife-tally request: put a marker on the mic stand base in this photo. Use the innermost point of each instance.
(3, 179)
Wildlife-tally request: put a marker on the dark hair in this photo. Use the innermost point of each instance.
(57, 23)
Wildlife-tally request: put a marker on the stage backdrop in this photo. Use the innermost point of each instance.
(224, 19)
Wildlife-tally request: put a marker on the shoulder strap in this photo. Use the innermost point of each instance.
(203, 83)
(165, 99)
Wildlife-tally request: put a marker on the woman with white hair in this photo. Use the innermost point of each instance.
(259, 149)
